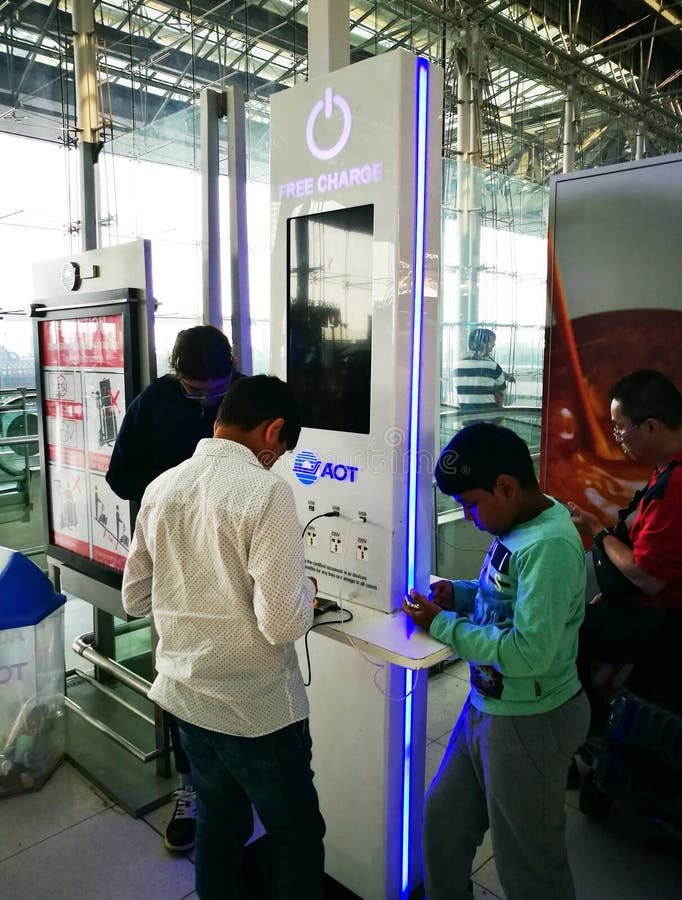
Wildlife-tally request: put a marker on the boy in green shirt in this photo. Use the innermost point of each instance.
(505, 765)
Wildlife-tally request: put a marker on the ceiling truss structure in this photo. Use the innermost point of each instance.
(623, 61)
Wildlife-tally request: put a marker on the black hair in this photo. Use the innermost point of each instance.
(478, 454)
(480, 338)
(261, 398)
(201, 353)
(647, 394)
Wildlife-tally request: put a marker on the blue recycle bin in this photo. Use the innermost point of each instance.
(32, 723)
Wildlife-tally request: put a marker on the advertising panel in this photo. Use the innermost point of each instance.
(615, 304)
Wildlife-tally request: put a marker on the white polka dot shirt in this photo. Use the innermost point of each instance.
(217, 558)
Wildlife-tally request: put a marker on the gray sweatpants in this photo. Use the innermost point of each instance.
(506, 773)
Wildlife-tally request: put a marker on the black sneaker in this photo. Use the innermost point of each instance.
(181, 830)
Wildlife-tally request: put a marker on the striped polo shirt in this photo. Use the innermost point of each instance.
(477, 381)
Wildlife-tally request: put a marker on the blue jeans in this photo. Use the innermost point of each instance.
(273, 773)
(182, 766)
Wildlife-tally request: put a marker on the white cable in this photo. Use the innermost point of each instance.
(404, 696)
(377, 665)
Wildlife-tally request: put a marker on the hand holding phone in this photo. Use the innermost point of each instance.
(420, 610)
(413, 604)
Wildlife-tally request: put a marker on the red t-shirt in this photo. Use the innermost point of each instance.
(656, 536)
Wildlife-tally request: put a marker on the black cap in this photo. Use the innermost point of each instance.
(478, 454)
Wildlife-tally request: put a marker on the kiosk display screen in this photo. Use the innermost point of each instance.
(329, 327)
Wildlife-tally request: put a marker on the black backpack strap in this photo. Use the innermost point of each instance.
(654, 489)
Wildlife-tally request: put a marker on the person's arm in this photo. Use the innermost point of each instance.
(656, 538)
(545, 592)
(282, 593)
(499, 386)
(449, 597)
(622, 556)
(136, 592)
(130, 469)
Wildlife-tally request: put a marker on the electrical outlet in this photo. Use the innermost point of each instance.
(310, 538)
(335, 542)
(361, 549)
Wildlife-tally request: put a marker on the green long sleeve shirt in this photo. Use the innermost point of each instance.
(518, 625)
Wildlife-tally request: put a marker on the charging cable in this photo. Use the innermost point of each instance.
(349, 618)
(330, 514)
(379, 666)
(347, 615)
(333, 513)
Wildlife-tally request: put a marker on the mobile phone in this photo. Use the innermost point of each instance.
(410, 602)
(322, 605)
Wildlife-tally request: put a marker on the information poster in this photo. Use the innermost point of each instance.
(68, 495)
(84, 402)
(110, 523)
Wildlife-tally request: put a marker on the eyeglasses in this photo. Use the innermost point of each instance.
(619, 433)
(193, 394)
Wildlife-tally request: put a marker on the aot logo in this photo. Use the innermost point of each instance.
(330, 100)
(307, 466)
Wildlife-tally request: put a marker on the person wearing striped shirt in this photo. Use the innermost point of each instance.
(480, 381)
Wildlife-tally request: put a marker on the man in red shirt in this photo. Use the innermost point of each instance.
(646, 627)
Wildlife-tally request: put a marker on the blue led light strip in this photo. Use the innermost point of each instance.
(419, 228)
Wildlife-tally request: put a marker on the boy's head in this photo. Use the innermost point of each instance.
(482, 341)
(264, 408)
(489, 470)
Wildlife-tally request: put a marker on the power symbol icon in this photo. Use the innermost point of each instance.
(330, 101)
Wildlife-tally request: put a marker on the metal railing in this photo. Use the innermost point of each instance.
(19, 464)
(82, 645)
(19, 428)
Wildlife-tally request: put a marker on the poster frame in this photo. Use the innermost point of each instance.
(124, 302)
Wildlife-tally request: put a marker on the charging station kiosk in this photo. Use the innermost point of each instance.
(355, 189)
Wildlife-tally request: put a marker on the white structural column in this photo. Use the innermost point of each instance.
(211, 109)
(328, 36)
(85, 66)
(463, 103)
(640, 141)
(214, 106)
(475, 75)
(470, 71)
